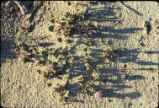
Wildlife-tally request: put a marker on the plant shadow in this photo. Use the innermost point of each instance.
(111, 77)
(6, 50)
(110, 74)
(131, 56)
(8, 16)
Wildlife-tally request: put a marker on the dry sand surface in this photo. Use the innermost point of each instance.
(131, 81)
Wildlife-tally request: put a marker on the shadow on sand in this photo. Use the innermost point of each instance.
(108, 13)
(102, 15)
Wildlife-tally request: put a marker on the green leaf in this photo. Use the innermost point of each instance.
(56, 55)
(49, 84)
(69, 41)
(67, 14)
(99, 67)
(25, 59)
(87, 43)
(60, 39)
(86, 54)
(60, 48)
(52, 21)
(61, 94)
(37, 53)
(50, 62)
(69, 3)
(63, 23)
(51, 28)
(45, 53)
(85, 49)
(39, 71)
(55, 64)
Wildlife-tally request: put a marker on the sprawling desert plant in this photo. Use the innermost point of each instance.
(56, 62)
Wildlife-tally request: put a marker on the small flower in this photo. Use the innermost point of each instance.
(49, 66)
(98, 95)
(90, 32)
(53, 88)
(62, 31)
(21, 55)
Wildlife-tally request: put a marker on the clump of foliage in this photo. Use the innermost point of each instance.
(56, 62)
(71, 24)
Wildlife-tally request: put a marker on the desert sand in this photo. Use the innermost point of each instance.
(130, 82)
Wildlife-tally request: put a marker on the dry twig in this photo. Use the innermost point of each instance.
(18, 5)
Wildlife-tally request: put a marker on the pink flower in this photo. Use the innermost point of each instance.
(21, 55)
(98, 95)
(90, 32)
(49, 66)
(62, 31)
(53, 88)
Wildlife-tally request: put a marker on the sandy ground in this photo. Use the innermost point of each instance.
(131, 81)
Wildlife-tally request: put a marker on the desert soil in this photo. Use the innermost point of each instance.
(130, 82)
